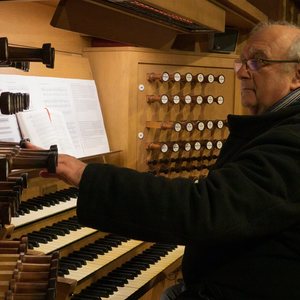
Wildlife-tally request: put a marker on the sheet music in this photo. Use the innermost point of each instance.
(36, 126)
(46, 127)
(9, 130)
(76, 99)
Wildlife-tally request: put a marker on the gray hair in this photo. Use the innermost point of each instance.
(294, 49)
(269, 23)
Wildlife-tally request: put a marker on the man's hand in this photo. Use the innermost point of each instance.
(69, 169)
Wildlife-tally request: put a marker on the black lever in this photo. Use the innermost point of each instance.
(16, 56)
(11, 103)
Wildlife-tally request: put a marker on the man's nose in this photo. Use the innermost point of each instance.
(243, 72)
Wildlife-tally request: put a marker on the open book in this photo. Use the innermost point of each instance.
(45, 128)
(63, 111)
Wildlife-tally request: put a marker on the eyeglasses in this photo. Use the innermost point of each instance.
(255, 64)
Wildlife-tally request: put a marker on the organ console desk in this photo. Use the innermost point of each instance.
(165, 112)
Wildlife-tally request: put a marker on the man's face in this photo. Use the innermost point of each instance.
(262, 88)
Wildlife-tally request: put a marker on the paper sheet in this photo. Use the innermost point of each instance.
(76, 99)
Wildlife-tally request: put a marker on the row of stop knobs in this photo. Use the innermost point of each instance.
(186, 146)
(187, 77)
(187, 99)
(187, 125)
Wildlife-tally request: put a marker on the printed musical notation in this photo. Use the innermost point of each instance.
(76, 100)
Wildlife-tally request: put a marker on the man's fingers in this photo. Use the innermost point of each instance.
(46, 174)
(30, 146)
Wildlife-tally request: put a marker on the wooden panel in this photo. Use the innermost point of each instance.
(181, 112)
(120, 75)
(277, 11)
(135, 29)
(28, 24)
(65, 66)
(49, 2)
(240, 13)
(199, 11)
(245, 8)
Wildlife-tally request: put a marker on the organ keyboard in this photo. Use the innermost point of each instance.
(86, 255)
(130, 280)
(59, 235)
(45, 206)
(99, 260)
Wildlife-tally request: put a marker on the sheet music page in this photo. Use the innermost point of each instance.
(76, 99)
(65, 142)
(36, 125)
(9, 129)
(45, 128)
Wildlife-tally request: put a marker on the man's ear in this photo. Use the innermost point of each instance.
(296, 79)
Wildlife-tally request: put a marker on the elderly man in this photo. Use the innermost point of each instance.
(241, 224)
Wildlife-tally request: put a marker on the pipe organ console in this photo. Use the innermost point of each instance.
(88, 262)
(166, 111)
(178, 129)
(47, 254)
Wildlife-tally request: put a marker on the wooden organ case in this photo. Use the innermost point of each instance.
(165, 113)
(177, 106)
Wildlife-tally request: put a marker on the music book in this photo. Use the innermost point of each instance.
(44, 127)
(63, 111)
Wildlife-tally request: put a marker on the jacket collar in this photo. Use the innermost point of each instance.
(247, 125)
